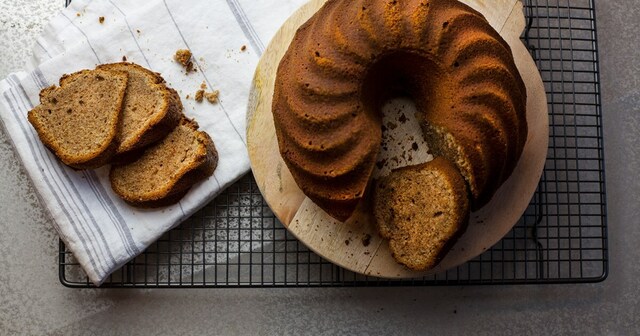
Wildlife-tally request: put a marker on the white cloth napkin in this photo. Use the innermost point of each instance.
(101, 230)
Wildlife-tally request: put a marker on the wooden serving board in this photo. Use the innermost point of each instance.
(355, 244)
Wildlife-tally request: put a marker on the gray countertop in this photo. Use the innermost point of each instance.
(33, 301)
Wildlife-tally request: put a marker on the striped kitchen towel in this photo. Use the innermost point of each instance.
(101, 230)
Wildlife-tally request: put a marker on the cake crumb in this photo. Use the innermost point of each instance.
(243, 48)
(183, 56)
(189, 67)
(101, 19)
(187, 97)
(203, 85)
(78, 14)
(138, 31)
(366, 240)
(199, 95)
(212, 96)
(124, 58)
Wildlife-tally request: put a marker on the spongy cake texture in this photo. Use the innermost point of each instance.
(421, 209)
(78, 120)
(351, 56)
(166, 171)
(151, 109)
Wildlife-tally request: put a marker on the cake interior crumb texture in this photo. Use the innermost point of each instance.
(421, 209)
(160, 168)
(79, 119)
(147, 103)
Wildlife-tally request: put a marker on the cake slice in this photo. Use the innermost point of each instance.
(166, 171)
(78, 121)
(151, 109)
(421, 210)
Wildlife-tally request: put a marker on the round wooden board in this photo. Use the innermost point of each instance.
(355, 244)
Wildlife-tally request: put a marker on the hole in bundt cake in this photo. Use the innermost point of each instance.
(445, 24)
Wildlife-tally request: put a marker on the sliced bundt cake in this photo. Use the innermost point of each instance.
(351, 56)
(79, 119)
(151, 109)
(168, 169)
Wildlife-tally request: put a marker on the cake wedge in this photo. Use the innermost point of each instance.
(421, 210)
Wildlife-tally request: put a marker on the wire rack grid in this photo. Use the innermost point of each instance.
(236, 241)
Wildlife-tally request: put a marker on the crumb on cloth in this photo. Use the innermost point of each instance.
(212, 96)
(183, 56)
(199, 95)
(101, 19)
(243, 48)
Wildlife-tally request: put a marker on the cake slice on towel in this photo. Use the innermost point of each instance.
(78, 121)
(421, 209)
(166, 170)
(151, 109)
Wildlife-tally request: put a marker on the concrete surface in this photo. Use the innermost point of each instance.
(32, 301)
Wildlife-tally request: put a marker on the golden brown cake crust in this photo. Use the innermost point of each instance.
(78, 120)
(351, 56)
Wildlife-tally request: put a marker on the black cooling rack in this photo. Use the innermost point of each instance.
(235, 241)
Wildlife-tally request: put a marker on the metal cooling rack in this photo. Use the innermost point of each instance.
(236, 241)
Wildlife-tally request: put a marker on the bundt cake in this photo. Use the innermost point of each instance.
(352, 56)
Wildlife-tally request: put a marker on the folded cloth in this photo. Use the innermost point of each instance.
(226, 38)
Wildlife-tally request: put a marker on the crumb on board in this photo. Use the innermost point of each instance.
(203, 85)
(101, 19)
(366, 240)
(78, 14)
(187, 97)
(212, 96)
(243, 48)
(124, 58)
(199, 95)
(138, 31)
(183, 56)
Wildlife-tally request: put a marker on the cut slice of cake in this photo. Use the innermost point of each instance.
(421, 209)
(78, 121)
(166, 171)
(151, 109)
